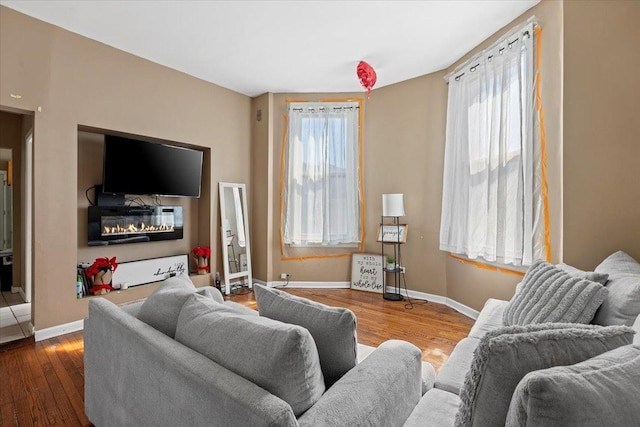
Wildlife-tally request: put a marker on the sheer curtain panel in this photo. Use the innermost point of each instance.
(489, 204)
(321, 192)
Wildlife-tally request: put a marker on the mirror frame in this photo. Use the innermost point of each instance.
(228, 276)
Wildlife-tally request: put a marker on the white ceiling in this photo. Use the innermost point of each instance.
(254, 47)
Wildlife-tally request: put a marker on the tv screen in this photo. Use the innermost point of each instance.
(145, 168)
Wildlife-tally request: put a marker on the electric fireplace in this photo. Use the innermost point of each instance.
(111, 225)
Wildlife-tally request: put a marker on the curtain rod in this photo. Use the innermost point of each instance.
(509, 34)
(320, 108)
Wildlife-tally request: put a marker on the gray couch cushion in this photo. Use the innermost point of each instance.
(622, 305)
(490, 318)
(601, 391)
(437, 408)
(505, 355)
(333, 328)
(279, 357)
(548, 294)
(452, 374)
(594, 276)
(162, 307)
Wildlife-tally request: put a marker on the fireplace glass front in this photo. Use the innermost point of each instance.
(110, 225)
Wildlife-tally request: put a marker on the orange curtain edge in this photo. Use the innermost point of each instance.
(543, 146)
(486, 266)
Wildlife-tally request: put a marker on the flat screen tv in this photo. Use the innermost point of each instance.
(145, 168)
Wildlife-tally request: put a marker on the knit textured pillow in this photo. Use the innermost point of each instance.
(549, 295)
(505, 355)
(601, 391)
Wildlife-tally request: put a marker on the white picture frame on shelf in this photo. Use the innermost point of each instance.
(392, 233)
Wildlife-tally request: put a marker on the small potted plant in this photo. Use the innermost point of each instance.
(391, 264)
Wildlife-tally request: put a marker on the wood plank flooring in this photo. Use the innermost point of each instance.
(42, 384)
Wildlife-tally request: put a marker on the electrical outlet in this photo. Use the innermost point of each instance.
(402, 270)
(284, 276)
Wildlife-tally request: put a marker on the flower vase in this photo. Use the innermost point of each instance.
(101, 282)
(203, 264)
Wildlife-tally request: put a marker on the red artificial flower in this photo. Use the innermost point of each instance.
(202, 251)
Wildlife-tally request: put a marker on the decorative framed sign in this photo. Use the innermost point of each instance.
(393, 233)
(151, 270)
(366, 272)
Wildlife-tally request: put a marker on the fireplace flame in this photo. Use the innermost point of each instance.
(132, 229)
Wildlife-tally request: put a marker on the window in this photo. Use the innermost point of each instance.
(321, 188)
(491, 206)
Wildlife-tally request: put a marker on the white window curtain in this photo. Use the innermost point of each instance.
(321, 191)
(488, 205)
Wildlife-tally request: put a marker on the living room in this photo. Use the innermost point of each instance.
(69, 83)
(89, 90)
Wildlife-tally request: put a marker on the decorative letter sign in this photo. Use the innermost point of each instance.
(366, 272)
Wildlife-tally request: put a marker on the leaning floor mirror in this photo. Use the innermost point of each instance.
(236, 253)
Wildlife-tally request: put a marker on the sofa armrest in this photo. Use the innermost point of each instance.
(382, 390)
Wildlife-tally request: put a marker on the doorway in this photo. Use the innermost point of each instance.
(16, 168)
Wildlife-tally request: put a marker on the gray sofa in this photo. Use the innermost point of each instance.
(140, 375)
(547, 374)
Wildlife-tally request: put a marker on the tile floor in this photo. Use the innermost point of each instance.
(15, 318)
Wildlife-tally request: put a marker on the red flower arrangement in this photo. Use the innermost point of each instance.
(202, 255)
(100, 273)
(202, 251)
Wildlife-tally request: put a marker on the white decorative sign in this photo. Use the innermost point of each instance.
(366, 272)
(135, 273)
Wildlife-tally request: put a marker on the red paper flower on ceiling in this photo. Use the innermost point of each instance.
(367, 76)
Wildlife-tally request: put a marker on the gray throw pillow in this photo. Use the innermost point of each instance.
(548, 294)
(622, 305)
(279, 357)
(601, 391)
(594, 276)
(504, 356)
(333, 328)
(162, 308)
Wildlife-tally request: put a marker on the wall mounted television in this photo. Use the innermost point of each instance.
(131, 166)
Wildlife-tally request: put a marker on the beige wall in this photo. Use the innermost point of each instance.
(79, 82)
(601, 130)
(403, 148)
(261, 198)
(404, 132)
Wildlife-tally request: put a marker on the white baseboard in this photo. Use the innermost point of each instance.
(312, 285)
(316, 285)
(78, 325)
(54, 331)
(459, 307)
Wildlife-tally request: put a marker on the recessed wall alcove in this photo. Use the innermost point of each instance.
(196, 211)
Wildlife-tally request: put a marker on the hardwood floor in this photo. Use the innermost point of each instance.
(42, 383)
